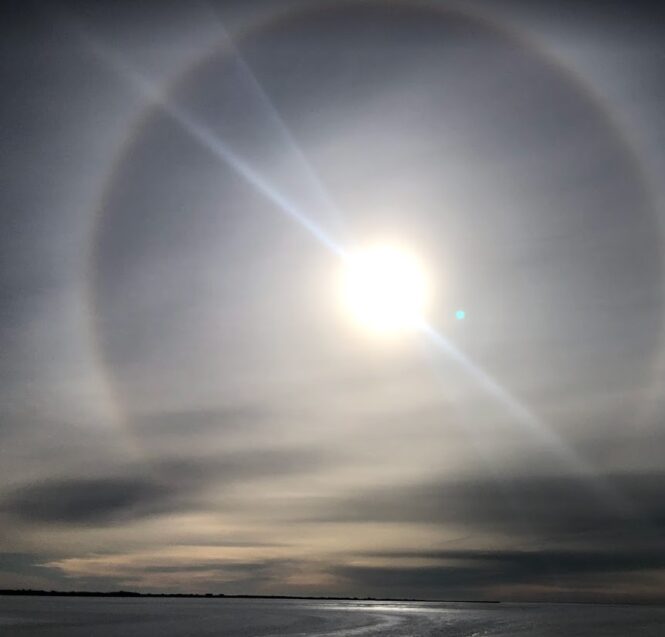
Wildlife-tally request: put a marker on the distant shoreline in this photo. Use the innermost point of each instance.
(29, 592)
(41, 593)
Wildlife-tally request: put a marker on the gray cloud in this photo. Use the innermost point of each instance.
(536, 507)
(87, 501)
(170, 485)
(528, 565)
(240, 467)
(555, 575)
(172, 341)
(488, 574)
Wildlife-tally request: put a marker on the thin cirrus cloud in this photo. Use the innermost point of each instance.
(185, 403)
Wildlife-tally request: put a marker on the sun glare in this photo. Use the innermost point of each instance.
(384, 287)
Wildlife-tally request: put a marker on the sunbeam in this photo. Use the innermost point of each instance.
(285, 135)
(202, 134)
(207, 138)
(354, 303)
(529, 423)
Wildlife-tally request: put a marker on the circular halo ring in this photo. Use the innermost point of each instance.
(282, 17)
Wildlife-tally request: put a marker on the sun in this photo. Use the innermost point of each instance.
(384, 288)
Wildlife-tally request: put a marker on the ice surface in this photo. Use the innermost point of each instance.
(168, 617)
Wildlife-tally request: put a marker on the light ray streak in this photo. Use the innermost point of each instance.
(481, 445)
(519, 412)
(207, 138)
(530, 422)
(284, 132)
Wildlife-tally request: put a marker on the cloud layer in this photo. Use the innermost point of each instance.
(186, 405)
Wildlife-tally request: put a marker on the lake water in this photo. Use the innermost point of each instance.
(105, 617)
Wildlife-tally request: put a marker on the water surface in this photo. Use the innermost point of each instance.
(170, 617)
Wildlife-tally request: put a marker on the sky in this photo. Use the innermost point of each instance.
(187, 405)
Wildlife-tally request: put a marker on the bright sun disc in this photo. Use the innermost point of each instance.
(384, 288)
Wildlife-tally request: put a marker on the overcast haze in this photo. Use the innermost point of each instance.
(186, 406)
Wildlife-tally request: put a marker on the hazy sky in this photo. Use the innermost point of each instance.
(185, 404)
